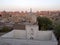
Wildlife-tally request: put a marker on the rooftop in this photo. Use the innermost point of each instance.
(20, 37)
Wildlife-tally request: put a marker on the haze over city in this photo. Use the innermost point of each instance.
(18, 5)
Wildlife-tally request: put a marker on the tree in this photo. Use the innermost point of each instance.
(6, 29)
(57, 31)
(44, 23)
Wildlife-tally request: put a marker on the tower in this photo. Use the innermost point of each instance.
(30, 10)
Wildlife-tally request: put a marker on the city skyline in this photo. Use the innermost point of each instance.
(24, 5)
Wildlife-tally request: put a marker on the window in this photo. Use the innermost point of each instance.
(31, 37)
(0, 15)
(31, 28)
(10, 15)
(32, 32)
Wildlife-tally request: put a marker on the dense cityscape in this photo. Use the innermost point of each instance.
(29, 22)
(23, 16)
(26, 16)
(10, 21)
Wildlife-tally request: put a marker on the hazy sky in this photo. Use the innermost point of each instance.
(17, 5)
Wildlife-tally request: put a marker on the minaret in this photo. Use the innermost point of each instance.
(30, 10)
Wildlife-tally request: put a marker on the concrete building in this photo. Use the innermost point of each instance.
(30, 36)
